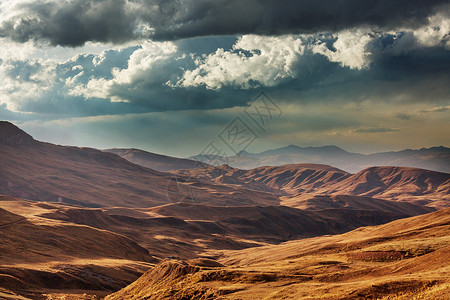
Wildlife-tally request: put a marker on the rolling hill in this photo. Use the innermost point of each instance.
(186, 230)
(92, 178)
(399, 260)
(90, 222)
(303, 181)
(39, 255)
(60, 248)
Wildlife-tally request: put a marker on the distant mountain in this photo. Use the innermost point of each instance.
(434, 158)
(210, 159)
(157, 162)
(41, 171)
(292, 149)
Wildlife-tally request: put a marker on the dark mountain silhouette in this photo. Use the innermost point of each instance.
(156, 161)
(434, 158)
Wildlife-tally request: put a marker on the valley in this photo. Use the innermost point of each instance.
(80, 223)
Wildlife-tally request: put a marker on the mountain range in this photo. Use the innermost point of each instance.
(81, 223)
(92, 178)
(434, 158)
(295, 184)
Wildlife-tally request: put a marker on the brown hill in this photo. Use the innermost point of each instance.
(400, 260)
(302, 181)
(47, 240)
(163, 282)
(92, 178)
(161, 235)
(14, 136)
(283, 180)
(185, 230)
(39, 255)
(319, 202)
(277, 223)
(7, 218)
(177, 230)
(410, 184)
(156, 161)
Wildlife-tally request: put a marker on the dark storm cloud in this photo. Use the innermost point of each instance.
(415, 76)
(375, 130)
(403, 116)
(177, 19)
(70, 23)
(73, 23)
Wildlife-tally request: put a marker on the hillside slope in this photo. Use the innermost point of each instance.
(92, 178)
(304, 181)
(39, 255)
(399, 260)
(187, 230)
(410, 184)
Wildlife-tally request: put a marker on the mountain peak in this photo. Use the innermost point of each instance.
(12, 135)
(293, 149)
(243, 153)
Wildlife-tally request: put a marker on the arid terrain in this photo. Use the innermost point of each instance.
(80, 223)
(403, 259)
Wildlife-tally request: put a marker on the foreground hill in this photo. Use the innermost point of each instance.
(38, 255)
(41, 171)
(399, 260)
(59, 248)
(156, 161)
(303, 181)
(434, 158)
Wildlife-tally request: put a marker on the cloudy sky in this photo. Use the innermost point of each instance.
(172, 76)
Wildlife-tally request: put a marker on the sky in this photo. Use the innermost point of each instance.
(178, 76)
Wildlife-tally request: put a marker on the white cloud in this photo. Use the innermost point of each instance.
(151, 55)
(39, 74)
(267, 61)
(14, 90)
(350, 48)
(144, 72)
(71, 81)
(253, 60)
(436, 32)
(146, 63)
(435, 109)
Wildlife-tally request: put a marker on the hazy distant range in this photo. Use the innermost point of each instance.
(434, 158)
